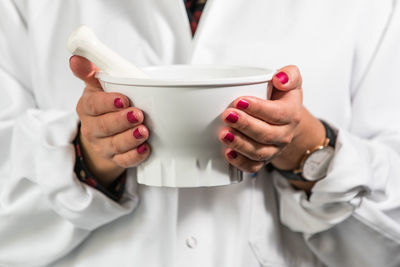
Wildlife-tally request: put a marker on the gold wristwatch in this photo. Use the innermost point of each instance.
(315, 162)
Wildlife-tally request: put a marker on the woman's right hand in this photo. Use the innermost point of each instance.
(112, 136)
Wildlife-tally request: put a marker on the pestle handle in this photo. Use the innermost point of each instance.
(84, 42)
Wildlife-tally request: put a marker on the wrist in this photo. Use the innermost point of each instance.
(309, 133)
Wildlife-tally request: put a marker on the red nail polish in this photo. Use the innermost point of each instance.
(283, 77)
(232, 117)
(137, 134)
(229, 137)
(118, 103)
(131, 117)
(141, 149)
(242, 104)
(232, 154)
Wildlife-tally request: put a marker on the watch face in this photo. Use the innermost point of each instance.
(316, 165)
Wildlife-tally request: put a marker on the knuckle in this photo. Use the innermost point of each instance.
(86, 133)
(242, 125)
(287, 139)
(114, 145)
(127, 160)
(253, 168)
(238, 145)
(98, 149)
(91, 105)
(278, 113)
(133, 158)
(259, 167)
(259, 155)
(103, 126)
(122, 161)
(267, 137)
(296, 117)
(258, 108)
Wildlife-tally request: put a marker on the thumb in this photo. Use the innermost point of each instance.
(84, 70)
(287, 78)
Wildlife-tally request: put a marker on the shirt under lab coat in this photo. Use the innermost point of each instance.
(348, 53)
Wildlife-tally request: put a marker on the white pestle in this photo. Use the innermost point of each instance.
(84, 42)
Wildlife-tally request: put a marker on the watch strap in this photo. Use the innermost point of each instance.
(290, 175)
(330, 134)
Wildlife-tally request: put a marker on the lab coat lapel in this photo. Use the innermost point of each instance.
(205, 22)
(178, 18)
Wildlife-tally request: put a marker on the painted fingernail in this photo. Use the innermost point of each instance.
(137, 134)
(232, 117)
(283, 77)
(131, 117)
(118, 103)
(141, 149)
(232, 154)
(242, 104)
(229, 137)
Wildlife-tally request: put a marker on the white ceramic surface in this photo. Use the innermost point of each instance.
(182, 106)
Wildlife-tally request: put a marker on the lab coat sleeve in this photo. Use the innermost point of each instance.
(44, 210)
(352, 217)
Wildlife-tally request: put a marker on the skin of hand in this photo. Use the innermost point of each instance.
(112, 136)
(279, 130)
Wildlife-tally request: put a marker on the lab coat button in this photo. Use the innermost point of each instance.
(191, 242)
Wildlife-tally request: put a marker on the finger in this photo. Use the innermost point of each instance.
(287, 78)
(125, 141)
(241, 162)
(133, 157)
(246, 146)
(287, 85)
(111, 123)
(84, 70)
(257, 129)
(274, 112)
(98, 103)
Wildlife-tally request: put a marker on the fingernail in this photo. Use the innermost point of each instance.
(242, 104)
(283, 77)
(118, 103)
(137, 134)
(131, 117)
(232, 117)
(229, 137)
(232, 154)
(141, 149)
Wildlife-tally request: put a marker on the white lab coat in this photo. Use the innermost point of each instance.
(349, 56)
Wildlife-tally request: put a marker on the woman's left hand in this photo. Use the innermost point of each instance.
(259, 130)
